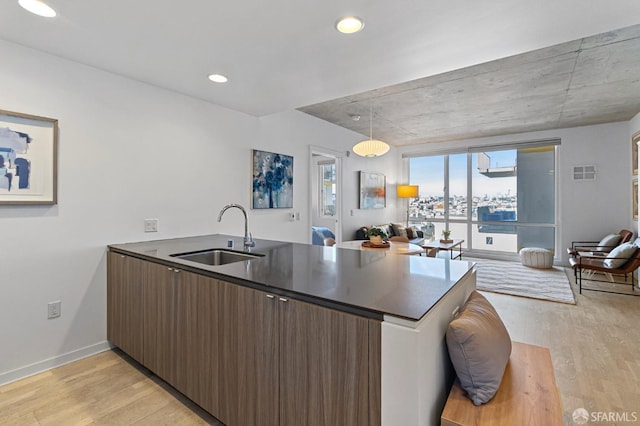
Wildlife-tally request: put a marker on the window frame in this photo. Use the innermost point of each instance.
(470, 222)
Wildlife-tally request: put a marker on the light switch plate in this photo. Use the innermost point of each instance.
(151, 225)
(54, 309)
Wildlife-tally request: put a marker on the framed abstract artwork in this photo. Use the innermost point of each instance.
(28, 159)
(373, 193)
(272, 180)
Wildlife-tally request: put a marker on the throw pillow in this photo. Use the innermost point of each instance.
(620, 255)
(387, 229)
(399, 230)
(410, 233)
(608, 242)
(479, 348)
(361, 233)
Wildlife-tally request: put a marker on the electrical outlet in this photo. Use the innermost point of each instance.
(292, 217)
(151, 225)
(54, 309)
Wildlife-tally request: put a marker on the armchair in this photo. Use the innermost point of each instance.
(604, 246)
(623, 260)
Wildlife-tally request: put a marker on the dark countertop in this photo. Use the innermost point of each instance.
(362, 282)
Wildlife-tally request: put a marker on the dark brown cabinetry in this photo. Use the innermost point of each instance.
(198, 340)
(249, 359)
(165, 319)
(289, 362)
(247, 356)
(324, 358)
(124, 301)
(160, 331)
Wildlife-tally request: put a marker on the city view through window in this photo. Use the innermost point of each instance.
(475, 196)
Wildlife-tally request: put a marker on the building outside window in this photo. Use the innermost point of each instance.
(498, 200)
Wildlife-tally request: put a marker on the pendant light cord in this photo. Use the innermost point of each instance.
(371, 121)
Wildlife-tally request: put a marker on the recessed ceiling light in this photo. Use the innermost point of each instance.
(349, 24)
(38, 7)
(218, 78)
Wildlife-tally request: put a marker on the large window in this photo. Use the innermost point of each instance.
(496, 200)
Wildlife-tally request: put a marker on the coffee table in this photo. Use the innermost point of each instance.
(450, 247)
(394, 247)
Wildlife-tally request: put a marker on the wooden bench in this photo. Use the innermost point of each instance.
(527, 395)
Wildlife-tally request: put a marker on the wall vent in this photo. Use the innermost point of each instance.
(584, 173)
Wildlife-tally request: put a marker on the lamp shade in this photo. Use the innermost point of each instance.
(407, 191)
(371, 148)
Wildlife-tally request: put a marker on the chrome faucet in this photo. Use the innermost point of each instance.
(248, 238)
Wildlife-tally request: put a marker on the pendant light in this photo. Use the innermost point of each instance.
(371, 147)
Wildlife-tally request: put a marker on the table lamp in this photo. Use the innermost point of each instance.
(407, 191)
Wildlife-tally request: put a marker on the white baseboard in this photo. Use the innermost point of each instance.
(56, 361)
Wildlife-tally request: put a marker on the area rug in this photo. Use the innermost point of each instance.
(512, 278)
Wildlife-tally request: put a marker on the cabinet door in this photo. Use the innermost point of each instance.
(160, 321)
(197, 340)
(248, 358)
(125, 303)
(324, 366)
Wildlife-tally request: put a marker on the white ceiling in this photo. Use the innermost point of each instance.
(285, 54)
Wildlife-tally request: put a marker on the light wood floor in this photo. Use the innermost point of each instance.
(595, 347)
(104, 389)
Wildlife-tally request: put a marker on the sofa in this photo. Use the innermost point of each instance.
(414, 235)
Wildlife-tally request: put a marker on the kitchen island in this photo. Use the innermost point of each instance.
(299, 334)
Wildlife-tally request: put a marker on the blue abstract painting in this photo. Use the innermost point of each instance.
(272, 180)
(28, 146)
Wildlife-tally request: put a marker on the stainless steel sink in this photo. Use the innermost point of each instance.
(216, 256)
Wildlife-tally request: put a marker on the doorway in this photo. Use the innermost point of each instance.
(326, 190)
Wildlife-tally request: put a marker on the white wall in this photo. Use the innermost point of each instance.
(127, 151)
(590, 210)
(587, 210)
(634, 127)
(386, 165)
(303, 130)
(297, 131)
